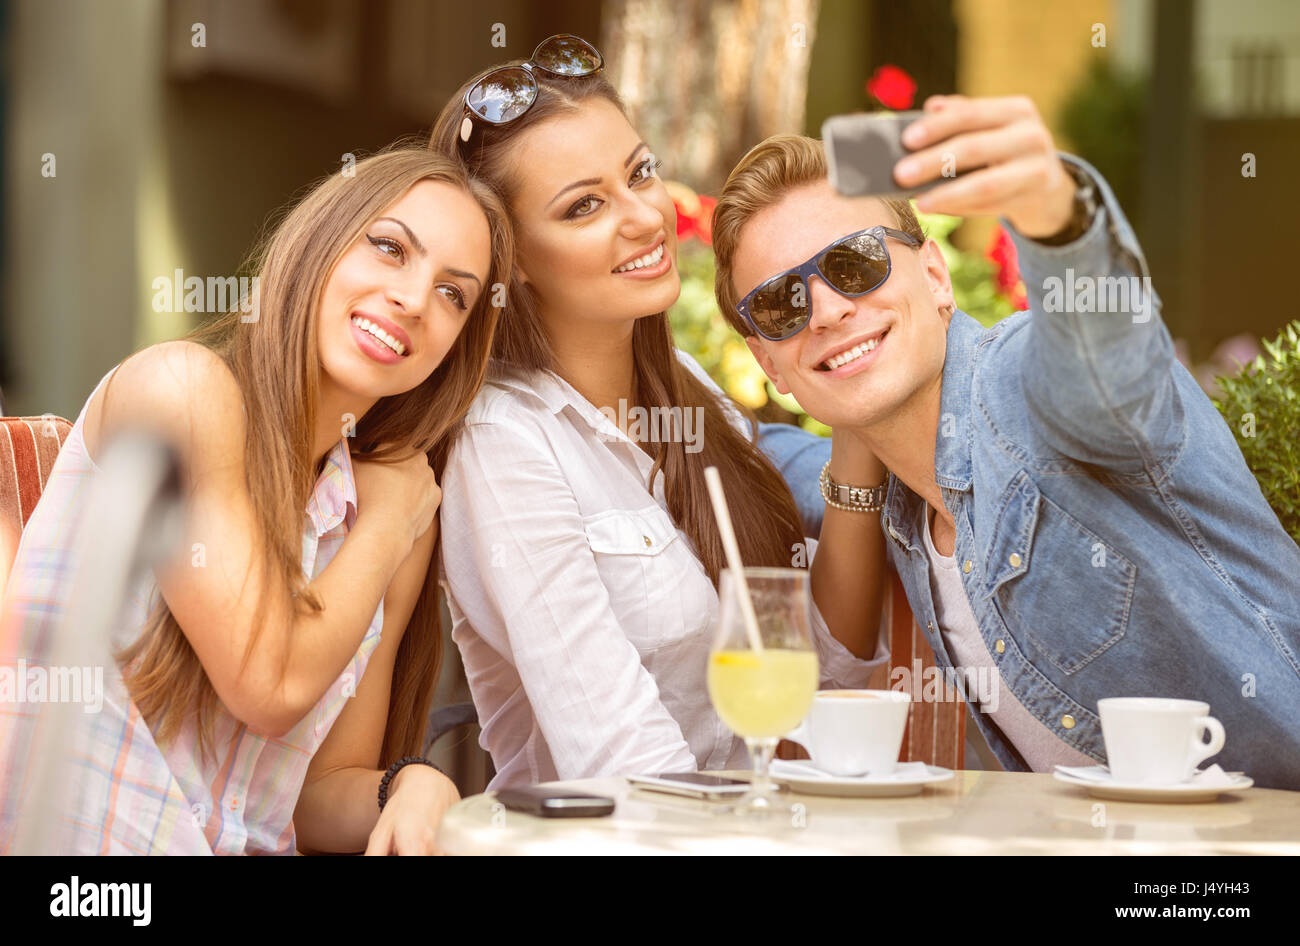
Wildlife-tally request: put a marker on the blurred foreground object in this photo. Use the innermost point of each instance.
(133, 521)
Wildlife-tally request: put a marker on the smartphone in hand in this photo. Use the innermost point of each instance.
(862, 149)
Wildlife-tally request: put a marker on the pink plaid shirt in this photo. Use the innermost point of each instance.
(130, 795)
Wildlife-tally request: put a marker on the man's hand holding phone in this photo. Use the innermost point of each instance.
(1005, 156)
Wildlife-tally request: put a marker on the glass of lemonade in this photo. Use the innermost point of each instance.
(762, 695)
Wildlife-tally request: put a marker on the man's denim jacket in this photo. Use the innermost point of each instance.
(1110, 537)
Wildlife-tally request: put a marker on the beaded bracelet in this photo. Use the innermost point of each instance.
(395, 768)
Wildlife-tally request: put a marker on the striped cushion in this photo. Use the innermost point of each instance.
(28, 449)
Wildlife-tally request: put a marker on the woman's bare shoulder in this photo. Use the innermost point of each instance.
(179, 389)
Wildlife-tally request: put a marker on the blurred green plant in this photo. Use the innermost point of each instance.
(1261, 403)
(1104, 117)
(699, 328)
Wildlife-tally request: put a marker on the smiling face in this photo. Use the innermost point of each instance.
(596, 230)
(858, 360)
(399, 296)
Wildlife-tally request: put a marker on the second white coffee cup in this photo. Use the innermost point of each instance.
(854, 732)
(1157, 741)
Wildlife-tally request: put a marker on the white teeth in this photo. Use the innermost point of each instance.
(843, 358)
(379, 333)
(650, 259)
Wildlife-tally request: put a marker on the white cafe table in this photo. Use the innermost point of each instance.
(976, 812)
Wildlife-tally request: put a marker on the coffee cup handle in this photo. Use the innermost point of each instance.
(1202, 750)
(799, 734)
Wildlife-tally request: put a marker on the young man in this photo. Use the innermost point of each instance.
(1068, 512)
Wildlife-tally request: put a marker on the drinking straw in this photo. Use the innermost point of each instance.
(732, 548)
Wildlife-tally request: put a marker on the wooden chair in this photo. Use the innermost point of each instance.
(936, 731)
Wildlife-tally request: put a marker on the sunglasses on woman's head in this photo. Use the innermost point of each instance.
(504, 94)
(853, 266)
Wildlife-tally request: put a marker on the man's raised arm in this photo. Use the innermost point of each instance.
(1099, 374)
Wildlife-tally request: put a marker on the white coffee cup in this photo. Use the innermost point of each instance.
(854, 732)
(1157, 741)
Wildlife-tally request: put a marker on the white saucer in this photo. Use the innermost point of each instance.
(907, 779)
(1101, 784)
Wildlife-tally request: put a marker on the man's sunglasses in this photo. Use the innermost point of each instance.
(504, 94)
(853, 266)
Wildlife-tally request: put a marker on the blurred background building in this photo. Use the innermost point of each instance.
(143, 137)
(140, 137)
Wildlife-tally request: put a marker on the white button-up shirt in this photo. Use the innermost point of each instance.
(583, 615)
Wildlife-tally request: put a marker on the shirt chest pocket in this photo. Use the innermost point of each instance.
(644, 532)
(1074, 604)
(639, 555)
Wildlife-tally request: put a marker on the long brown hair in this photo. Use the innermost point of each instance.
(766, 519)
(275, 361)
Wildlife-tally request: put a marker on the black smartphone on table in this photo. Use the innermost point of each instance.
(555, 802)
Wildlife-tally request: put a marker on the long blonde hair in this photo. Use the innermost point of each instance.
(275, 361)
(767, 522)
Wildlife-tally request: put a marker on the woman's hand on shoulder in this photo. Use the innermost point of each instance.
(402, 493)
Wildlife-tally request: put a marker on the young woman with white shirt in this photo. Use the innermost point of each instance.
(581, 563)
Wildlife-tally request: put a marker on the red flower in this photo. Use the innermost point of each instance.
(695, 217)
(892, 87)
(1002, 253)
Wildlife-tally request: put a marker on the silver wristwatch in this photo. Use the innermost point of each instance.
(852, 498)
